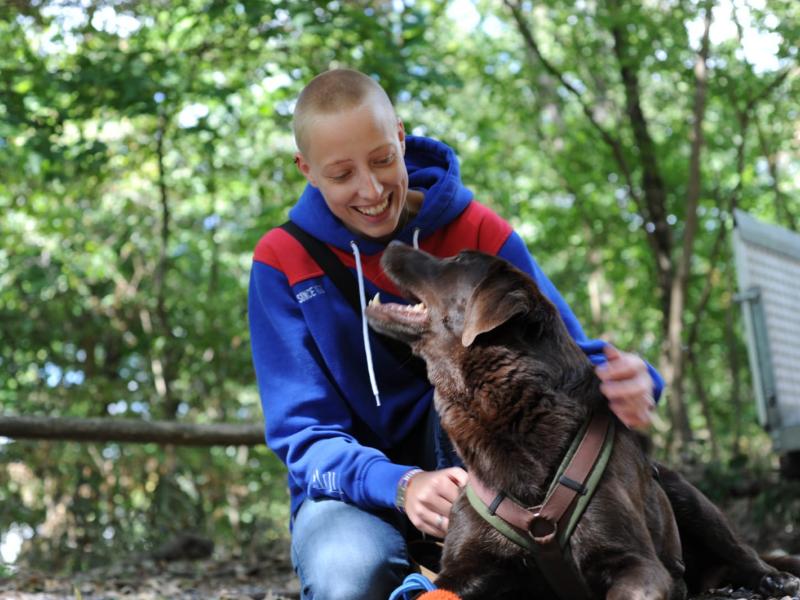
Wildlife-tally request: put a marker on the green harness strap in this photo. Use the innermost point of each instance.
(591, 482)
(499, 524)
(522, 538)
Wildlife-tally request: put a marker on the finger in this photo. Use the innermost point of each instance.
(627, 390)
(458, 475)
(634, 416)
(449, 494)
(641, 420)
(608, 369)
(634, 419)
(433, 523)
(439, 525)
(611, 352)
(445, 484)
(438, 497)
(440, 505)
(632, 409)
(625, 366)
(451, 487)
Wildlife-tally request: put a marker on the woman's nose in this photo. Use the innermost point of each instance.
(369, 187)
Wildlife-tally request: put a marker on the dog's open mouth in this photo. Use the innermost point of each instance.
(405, 322)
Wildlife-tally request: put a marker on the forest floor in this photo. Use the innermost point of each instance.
(764, 511)
(257, 577)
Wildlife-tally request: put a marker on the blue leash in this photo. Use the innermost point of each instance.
(413, 583)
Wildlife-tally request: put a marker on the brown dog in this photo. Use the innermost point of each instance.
(512, 389)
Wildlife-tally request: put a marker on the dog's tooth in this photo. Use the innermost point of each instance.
(376, 299)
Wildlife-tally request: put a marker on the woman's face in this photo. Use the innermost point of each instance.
(355, 159)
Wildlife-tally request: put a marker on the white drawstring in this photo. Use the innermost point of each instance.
(364, 329)
(415, 239)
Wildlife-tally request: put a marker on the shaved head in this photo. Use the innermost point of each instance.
(331, 92)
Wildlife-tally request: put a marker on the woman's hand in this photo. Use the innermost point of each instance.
(627, 384)
(429, 497)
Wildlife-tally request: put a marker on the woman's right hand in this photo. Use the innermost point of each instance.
(430, 496)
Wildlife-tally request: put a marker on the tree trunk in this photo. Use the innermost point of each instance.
(161, 362)
(680, 283)
(705, 404)
(131, 430)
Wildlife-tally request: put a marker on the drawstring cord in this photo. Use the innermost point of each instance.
(364, 329)
(412, 584)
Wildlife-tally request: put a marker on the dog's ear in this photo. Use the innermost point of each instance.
(497, 299)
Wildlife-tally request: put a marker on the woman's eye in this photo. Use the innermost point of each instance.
(340, 176)
(385, 161)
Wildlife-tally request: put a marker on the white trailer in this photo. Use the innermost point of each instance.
(768, 269)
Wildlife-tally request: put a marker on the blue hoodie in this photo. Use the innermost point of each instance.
(320, 413)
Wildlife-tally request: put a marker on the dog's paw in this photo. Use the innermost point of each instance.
(779, 583)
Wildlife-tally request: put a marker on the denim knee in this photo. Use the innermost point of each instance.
(341, 552)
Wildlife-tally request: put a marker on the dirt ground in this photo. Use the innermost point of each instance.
(197, 580)
(220, 578)
(269, 575)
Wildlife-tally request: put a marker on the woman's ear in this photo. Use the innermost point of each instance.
(305, 168)
(401, 134)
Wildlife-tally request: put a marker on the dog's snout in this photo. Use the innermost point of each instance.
(399, 258)
(392, 257)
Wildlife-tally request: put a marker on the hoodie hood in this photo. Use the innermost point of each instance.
(432, 168)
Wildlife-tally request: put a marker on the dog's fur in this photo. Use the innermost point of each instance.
(512, 389)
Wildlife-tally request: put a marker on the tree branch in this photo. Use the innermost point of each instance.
(772, 166)
(707, 288)
(654, 208)
(613, 143)
(745, 115)
(693, 185)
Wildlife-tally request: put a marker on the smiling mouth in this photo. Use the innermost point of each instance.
(376, 210)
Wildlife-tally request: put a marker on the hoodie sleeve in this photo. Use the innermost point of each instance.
(308, 424)
(515, 251)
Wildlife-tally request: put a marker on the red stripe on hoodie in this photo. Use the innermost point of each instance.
(477, 228)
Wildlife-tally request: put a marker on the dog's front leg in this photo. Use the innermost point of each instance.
(481, 586)
(476, 574)
(644, 580)
(479, 563)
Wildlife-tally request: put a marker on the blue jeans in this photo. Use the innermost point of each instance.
(342, 552)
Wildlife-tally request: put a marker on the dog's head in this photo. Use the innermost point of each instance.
(463, 302)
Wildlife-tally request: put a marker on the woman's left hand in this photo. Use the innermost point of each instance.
(627, 385)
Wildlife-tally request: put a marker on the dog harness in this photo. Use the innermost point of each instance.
(545, 530)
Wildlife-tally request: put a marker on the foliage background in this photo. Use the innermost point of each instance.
(145, 147)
